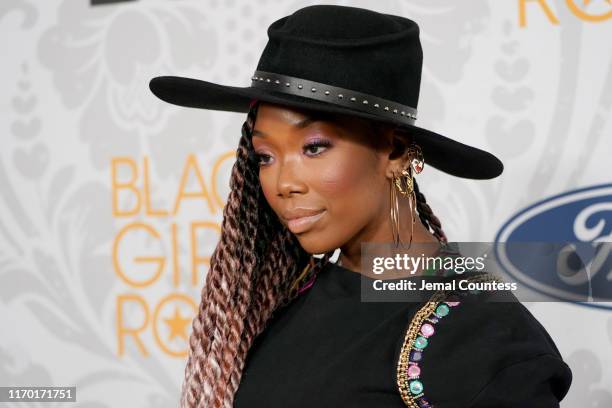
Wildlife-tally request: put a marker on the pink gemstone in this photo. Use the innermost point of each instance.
(427, 329)
(413, 370)
(452, 303)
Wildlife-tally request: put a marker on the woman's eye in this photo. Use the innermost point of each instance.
(260, 156)
(312, 147)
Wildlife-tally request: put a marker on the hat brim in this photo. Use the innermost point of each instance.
(441, 152)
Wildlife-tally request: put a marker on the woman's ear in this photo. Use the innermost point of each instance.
(399, 140)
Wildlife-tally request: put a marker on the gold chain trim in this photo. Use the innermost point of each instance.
(403, 382)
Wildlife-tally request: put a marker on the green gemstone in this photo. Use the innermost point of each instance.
(442, 310)
(416, 387)
(420, 342)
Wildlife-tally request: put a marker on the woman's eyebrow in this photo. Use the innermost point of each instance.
(308, 120)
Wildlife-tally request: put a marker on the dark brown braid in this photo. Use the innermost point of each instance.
(427, 216)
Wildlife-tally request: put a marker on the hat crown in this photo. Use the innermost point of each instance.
(348, 47)
(335, 23)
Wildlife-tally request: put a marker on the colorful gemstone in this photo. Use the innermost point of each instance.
(420, 342)
(413, 370)
(423, 403)
(442, 310)
(427, 329)
(416, 356)
(416, 387)
(452, 303)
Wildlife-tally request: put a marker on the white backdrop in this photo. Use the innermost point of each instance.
(111, 200)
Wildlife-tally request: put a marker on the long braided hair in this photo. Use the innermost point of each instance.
(257, 267)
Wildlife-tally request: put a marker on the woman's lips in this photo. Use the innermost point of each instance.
(297, 225)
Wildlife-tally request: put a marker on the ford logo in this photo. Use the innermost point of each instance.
(578, 226)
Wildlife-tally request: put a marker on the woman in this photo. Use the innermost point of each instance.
(327, 159)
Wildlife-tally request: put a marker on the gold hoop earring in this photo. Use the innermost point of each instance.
(405, 185)
(394, 213)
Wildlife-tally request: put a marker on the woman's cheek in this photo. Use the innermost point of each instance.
(339, 187)
(338, 178)
(267, 189)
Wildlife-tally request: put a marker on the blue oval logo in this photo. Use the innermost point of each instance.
(578, 216)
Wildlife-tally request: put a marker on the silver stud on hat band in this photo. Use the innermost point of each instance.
(334, 95)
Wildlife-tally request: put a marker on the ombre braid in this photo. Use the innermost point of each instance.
(257, 267)
(252, 270)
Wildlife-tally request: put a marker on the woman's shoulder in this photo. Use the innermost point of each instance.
(479, 353)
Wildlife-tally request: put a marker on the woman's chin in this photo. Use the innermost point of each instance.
(312, 243)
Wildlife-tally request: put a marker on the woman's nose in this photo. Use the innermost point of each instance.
(290, 177)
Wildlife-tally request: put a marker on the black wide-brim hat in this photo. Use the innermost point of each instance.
(345, 60)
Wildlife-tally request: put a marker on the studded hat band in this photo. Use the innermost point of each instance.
(333, 94)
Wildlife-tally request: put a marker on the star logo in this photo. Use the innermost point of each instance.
(177, 325)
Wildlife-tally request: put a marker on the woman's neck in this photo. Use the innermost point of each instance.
(424, 243)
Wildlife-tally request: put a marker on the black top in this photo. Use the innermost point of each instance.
(329, 349)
